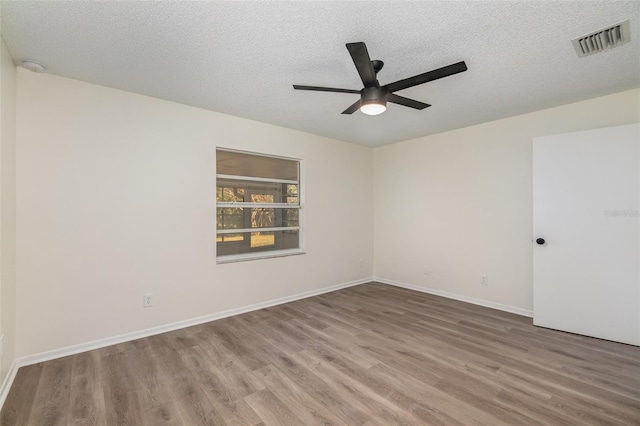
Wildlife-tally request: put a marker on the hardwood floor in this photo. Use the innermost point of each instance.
(366, 355)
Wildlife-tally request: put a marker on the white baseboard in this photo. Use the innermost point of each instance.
(486, 303)
(8, 381)
(101, 343)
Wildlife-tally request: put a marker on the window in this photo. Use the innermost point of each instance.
(257, 206)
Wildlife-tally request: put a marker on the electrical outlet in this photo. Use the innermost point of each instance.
(361, 263)
(484, 280)
(426, 270)
(148, 300)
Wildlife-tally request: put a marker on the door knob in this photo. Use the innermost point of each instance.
(540, 241)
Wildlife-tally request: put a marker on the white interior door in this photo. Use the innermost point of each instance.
(586, 275)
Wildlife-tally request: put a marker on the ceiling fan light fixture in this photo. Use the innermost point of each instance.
(373, 100)
(373, 108)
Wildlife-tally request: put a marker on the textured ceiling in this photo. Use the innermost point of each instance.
(241, 58)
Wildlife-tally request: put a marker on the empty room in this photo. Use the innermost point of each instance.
(319, 212)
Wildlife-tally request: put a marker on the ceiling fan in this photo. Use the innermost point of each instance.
(373, 97)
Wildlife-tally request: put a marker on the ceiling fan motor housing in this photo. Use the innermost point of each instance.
(373, 95)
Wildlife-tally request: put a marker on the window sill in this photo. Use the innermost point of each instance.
(257, 256)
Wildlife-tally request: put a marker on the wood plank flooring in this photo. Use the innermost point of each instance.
(367, 355)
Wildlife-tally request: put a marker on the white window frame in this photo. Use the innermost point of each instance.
(266, 254)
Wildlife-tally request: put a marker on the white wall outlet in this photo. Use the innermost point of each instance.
(426, 270)
(148, 300)
(484, 280)
(361, 263)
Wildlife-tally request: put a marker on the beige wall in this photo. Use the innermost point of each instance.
(7, 209)
(460, 202)
(117, 198)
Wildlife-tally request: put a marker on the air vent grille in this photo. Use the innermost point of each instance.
(607, 38)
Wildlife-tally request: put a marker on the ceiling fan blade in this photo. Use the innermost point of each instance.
(353, 108)
(426, 77)
(401, 100)
(325, 89)
(362, 61)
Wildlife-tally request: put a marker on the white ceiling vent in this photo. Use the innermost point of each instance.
(606, 38)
